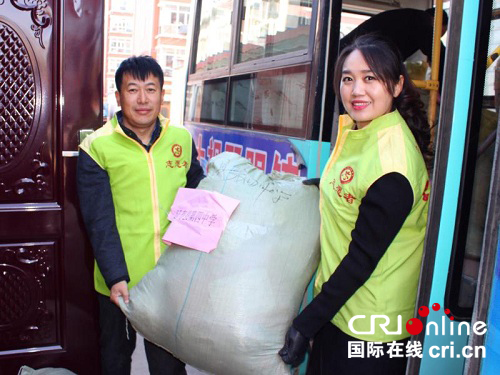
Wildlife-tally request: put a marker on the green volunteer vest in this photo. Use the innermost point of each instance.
(143, 185)
(359, 158)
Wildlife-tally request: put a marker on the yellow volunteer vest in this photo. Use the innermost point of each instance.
(359, 158)
(143, 185)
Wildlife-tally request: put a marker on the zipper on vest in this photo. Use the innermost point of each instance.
(154, 191)
(154, 200)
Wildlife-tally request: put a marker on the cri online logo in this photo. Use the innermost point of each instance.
(414, 326)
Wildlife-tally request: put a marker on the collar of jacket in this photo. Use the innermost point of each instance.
(382, 122)
(161, 125)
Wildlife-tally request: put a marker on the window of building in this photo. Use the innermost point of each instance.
(169, 64)
(120, 45)
(174, 19)
(110, 86)
(121, 24)
(113, 64)
(122, 5)
(171, 59)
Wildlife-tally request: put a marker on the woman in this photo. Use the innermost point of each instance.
(374, 201)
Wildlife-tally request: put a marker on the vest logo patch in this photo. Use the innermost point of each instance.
(177, 150)
(346, 175)
(349, 198)
(176, 164)
(425, 194)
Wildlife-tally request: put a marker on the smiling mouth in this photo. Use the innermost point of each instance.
(359, 105)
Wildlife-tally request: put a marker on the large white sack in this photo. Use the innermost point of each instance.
(26, 370)
(227, 312)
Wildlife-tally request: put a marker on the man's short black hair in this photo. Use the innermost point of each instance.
(432, 11)
(140, 67)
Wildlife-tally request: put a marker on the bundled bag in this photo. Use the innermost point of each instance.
(26, 370)
(227, 312)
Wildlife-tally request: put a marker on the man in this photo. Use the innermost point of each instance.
(129, 172)
(409, 29)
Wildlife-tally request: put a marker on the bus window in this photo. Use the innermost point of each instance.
(242, 100)
(206, 102)
(271, 100)
(192, 109)
(271, 28)
(475, 184)
(213, 102)
(349, 21)
(214, 36)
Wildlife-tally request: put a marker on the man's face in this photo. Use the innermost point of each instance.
(140, 101)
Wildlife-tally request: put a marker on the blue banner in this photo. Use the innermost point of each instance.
(266, 151)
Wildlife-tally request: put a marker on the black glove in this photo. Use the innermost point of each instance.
(312, 181)
(295, 348)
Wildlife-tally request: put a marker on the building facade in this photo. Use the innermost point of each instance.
(157, 28)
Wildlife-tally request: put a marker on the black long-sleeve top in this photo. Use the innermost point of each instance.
(382, 213)
(98, 211)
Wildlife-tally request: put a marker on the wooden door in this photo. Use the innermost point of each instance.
(50, 87)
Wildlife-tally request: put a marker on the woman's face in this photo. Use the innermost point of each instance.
(364, 96)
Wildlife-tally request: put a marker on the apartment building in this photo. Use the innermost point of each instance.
(157, 28)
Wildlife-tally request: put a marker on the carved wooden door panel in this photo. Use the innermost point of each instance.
(50, 87)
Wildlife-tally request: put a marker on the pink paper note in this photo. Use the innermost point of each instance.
(198, 218)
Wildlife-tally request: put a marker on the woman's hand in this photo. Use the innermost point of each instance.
(295, 348)
(312, 181)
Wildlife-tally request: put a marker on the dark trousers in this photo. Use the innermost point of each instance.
(118, 343)
(330, 356)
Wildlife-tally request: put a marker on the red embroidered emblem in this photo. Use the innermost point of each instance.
(349, 198)
(177, 150)
(425, 194)
(346, 175)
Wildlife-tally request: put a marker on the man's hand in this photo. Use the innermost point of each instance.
(294, 350)
(117, 290)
